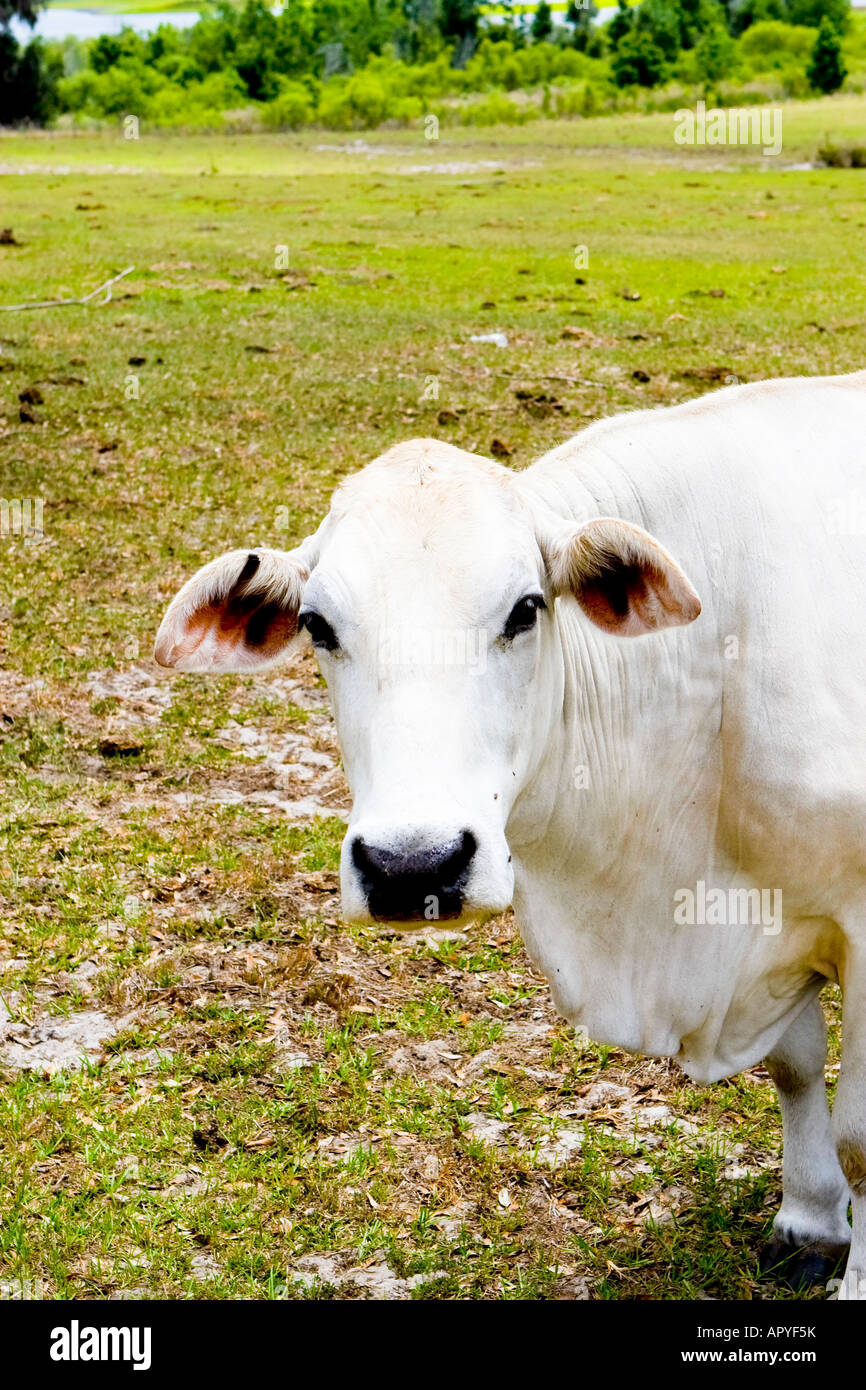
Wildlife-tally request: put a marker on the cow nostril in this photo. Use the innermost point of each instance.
(464, 854)
(402, 884)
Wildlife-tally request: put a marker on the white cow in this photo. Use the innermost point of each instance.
(679, 820)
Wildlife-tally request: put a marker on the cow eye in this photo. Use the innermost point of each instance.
(523, 615)
(321, 633)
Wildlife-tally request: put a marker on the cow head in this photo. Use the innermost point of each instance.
(429, 594)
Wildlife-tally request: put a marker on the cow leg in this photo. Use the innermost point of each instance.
(849, 1115)
(811, 1232)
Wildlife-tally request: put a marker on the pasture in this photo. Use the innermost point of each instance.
(269, 1103)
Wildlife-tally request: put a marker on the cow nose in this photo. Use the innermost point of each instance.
(403, 885)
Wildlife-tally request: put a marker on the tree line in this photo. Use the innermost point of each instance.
(357, 62)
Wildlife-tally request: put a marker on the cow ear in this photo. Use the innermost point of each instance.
(238, 613)
(622, 578)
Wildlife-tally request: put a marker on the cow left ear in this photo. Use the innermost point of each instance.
(624, 581)
(238, 613)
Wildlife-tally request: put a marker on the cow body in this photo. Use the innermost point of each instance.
(680, 819)
(731, 752)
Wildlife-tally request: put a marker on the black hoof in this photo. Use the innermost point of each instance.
(803, 1266)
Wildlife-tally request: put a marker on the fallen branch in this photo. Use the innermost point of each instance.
(573, 380)
(570, 380)
(85, 299)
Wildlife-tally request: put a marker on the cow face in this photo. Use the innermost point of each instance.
(428, 593)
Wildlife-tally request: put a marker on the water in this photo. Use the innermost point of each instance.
(89, 24)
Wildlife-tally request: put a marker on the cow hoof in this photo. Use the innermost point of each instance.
(803, 1266)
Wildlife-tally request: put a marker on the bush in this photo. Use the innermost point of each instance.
(770, 45)
(172, 107)
(292, 109)
(118, 92)
(854, 157)
(358, 102)
(498, 109)
(715, 54)
(199, 106)
(826, 71)
(407, 110)
(638, 61)
(582, 99)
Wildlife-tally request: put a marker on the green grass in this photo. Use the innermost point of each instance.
(319, 153)
(204, 925)
(123, 6)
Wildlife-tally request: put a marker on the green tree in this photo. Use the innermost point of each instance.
(111, 50)
(17, 9)
(826, 71)
(661, 22)
(742, 14)
(28, 82)
(814, 12)
(458, 19)
(715, 54)
(542, 22)
(256, 46)
(620, 25)
(581, 14)
(698, 17)
(638, 60)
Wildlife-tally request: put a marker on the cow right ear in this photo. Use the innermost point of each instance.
(239, 613)
(624, 580)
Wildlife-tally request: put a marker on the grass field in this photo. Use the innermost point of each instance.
(124, 6)
(145, 6)
(271, 1104)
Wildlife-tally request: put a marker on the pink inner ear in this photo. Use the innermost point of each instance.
(239, 612)
(242, 621)
(626, 584)
(615, 600)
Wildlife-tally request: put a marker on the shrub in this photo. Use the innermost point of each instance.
(715, 54)
(117, 92)
(852, 157)
(407, 110)
(771, 45)
(497, 109)
(171, 106)
(638, 61)
(353, 103)
(826, 71)
(290, 110)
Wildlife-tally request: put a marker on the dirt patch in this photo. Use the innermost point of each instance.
(373, 1278)
(54, 1044)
